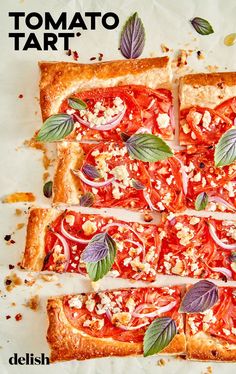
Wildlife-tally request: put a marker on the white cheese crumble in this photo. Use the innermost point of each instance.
(89, 227)
(163, 120)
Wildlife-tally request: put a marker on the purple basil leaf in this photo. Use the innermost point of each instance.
(90, 171)
(132, 37)
(87, 199)
(200, 297)
(137, 185)
(232, 257)
(98, 248)
(202, 26)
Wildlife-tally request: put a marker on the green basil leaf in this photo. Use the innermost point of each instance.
(225, 151)
(158, 335)
(201, 201)
(47, 189)
(76, 103)
(97, 270)
(56, 127)
(148, 147)
(202, 26)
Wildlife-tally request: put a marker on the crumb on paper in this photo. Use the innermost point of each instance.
(49, 277)
(29, 282)
(212, 68)
(75, 55)
(33, 303)
(18, 317)
(17, 197)
(11, 266)
(182, 58)
(161, 362)
(59, 285)
(20, 226)
(12, 281)
(200, 55)
(45, 176)
(20, 96)
(42, 147)
(100, 56)
(68, 53)
(147, 217)
(92, 58)
(208, 370)
(164, 48)
(18, 212)
(13, 304)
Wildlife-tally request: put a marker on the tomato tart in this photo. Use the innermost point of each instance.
(56, 239)
(207, 107)
(131, 95)
(118, 179)
(111, 323)
(211, 335)
(198, 247)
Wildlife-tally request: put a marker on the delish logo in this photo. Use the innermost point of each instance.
(29, 359)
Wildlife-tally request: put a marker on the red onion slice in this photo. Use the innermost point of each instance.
(217, 240)
(224, 271)
(155, 313)
(148, 200)
(184, 176)
(135, 243)
(172, 117)
(131, 328)
(71, 237)
(65, 248)
(109, 125)
(114, 224)
(79, 174)
(219, 200)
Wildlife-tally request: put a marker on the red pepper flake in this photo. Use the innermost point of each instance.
(8, 282)
(92, 58)
(100, 56)
(18, 317)
(8, 317)
(11, 266)
(78, 33)
(12, 241)
(75, 55)
(68, 52)
(20, 96)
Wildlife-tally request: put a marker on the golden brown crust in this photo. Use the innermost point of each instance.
(207, 90)
(34, 248)
(69, 343)
(66, 186)
(60, 79)
(205, 347)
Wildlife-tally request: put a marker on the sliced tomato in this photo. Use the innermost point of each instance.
(133, 237)
(143, 105)
(228, 108)
(118, 299)
(188, 249)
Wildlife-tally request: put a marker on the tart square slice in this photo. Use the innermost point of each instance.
(198, 247)
(211, 335)
(56, 240)
(104, 99)
(111, 323)
(203, 177)
(116, 179)
(207, 107)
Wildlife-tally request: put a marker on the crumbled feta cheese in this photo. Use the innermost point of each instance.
(89, 227)
(206, 120)
(160, 206)
(197, 177)
(122, 318)
(76, 302)
(186, 128)
(70, 219)
(194, 220)
(226, 332)
(169, 180)
(193, 135)
(163, 120)
(130, 304)
(70, 111)
(90, 304)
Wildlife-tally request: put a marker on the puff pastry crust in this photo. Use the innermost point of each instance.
(68, 343)
(205, 347)
(207, 90)
(61, 79)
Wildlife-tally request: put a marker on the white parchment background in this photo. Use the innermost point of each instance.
(166, 21)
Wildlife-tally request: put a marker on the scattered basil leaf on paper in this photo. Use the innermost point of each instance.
(99, 256)
(56, 127)
(137, 184)
(201, 201)
(47, 189)
(76, 103)
(200, 297)
(132, 37)
(202, 26)
(148, 147)
(87, 199)
(158, 335)
(225, 150)
(90, 171)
